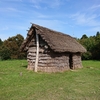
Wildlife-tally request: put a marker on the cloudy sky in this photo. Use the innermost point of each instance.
(73, 17)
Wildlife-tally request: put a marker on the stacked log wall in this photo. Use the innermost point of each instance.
(48, 62)
(77, 63)
(53, 62)
(31, 54)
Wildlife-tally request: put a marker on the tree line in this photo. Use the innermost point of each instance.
(9, 49)
(92, 44)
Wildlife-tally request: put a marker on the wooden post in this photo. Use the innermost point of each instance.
(37, 52)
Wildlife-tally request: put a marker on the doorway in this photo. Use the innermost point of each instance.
(71, 61)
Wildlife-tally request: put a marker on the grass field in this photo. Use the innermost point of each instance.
(17, 83)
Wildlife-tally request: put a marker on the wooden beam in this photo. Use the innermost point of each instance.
(37, 52)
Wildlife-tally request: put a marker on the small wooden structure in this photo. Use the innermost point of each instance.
(51, 51)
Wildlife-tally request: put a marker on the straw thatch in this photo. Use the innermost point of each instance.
(57, 41)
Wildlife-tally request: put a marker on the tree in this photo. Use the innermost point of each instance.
(5, 53)
(10, 47)
(84, 36)
(1, 42)
(92, 44)
(96, 50)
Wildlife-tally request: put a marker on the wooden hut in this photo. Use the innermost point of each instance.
(51, 51)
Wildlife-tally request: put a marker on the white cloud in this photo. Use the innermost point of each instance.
(52, 24)
(48, 3)
(8, 9)
(43, 16)
(11, 9)
(13, 0)
(85, 19)
(56, 3)
(95, 7)
(36, 6)
(93, 29)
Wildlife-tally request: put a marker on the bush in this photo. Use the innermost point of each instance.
(86, 56)
(5, 54)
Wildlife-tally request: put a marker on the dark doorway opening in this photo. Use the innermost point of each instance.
(70, 61)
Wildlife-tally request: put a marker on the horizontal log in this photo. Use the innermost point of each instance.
(52, 65)
(44, 55)
(44, 58)
(31, 58)
(31, 48)
(42, 65)
(31, 54)
(32, 45)
(48, 59)
(58, 64)
(34, 50)
(58, 58)
(30, 61)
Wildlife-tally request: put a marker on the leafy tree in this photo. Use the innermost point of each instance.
(84, 36)
(92, 44)
(87, 55)
(18, 39)
(88, 43)
(10, 48)
(5, 53)
(1, 42)
(96, 50)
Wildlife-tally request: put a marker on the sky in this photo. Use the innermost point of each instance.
(72, 17)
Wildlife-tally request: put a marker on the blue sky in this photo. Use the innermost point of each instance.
(73, 17)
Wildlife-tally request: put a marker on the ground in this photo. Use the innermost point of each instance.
(17, 83)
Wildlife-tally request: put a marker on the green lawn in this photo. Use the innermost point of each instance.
(17, 83)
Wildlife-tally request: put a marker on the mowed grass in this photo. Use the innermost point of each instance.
(17, 83)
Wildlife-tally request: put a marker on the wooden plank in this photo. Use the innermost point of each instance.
(37, 52)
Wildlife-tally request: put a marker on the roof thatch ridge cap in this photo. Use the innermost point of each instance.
(61, 33)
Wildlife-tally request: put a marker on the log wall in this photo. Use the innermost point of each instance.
(77, 63)
(53, 62)
(50, 61)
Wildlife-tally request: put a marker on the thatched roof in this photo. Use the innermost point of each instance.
(57, 41)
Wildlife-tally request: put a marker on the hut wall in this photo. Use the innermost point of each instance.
(31, 54)
(77, 63)
(48, 60)
(53, 62)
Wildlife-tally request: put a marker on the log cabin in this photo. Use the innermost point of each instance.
(51, 51)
